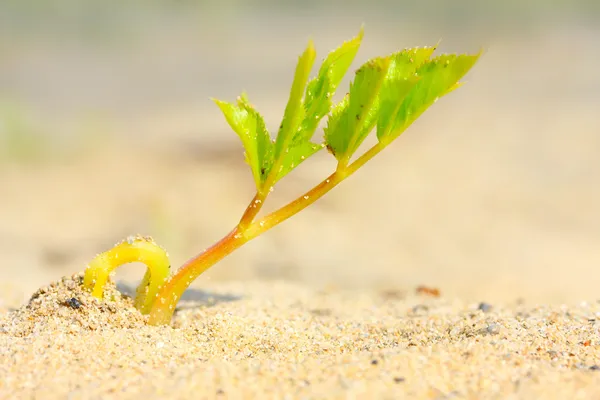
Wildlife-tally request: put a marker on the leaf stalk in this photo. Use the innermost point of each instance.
(247, 229)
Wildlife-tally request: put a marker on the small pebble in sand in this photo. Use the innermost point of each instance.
(73, 302)
(420, 309)
(485, 307)
(493, 329)
(428, 291)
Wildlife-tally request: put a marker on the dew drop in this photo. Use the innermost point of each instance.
(271, 189)
(163, 300)
(305, 197)
(257, 201)
(262, 223)
(327, 180)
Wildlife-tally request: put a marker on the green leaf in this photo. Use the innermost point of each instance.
(321, 88)
(349, 121)
(250, 127)
(399, 81)
(302, 116)
(296, 155)
(436, 78)
(294, 111)
(336, 123)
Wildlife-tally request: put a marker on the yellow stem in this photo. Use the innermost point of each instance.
(252, 210)
(133, 249)
(170, 294)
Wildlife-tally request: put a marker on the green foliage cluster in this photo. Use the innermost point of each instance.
(19, 141)
(387, 93)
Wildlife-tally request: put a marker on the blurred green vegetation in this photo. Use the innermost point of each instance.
(22, 141)
(19, 140)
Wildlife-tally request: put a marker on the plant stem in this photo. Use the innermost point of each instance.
(252, 210)
(171, 292)
(133, 249)
(257, 202)
(294, 207)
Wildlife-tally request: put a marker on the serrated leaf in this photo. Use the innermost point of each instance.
(250, 127)
(334, 140)
(437, 78)
(339, 60)
(321, 88)
(294, 111)
(287, 138)
(399, 81)
(346, 129)
(316, 104)
(296, 155)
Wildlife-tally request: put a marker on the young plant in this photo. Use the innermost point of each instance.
(388, 94)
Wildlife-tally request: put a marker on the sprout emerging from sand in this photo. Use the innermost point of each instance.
(388, 94)
(133, 249)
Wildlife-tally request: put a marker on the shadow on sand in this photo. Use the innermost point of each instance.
(192, 298)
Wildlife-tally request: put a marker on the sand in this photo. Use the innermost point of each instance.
(278, 340)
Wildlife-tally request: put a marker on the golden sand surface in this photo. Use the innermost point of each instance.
(278, 340)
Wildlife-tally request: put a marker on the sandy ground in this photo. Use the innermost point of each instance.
(492, 198)
(276, 340)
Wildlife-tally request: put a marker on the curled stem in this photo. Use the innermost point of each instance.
(133, 249)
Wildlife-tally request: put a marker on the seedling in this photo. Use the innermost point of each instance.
(388, 94)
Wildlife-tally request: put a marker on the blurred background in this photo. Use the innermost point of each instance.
(107, 129)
